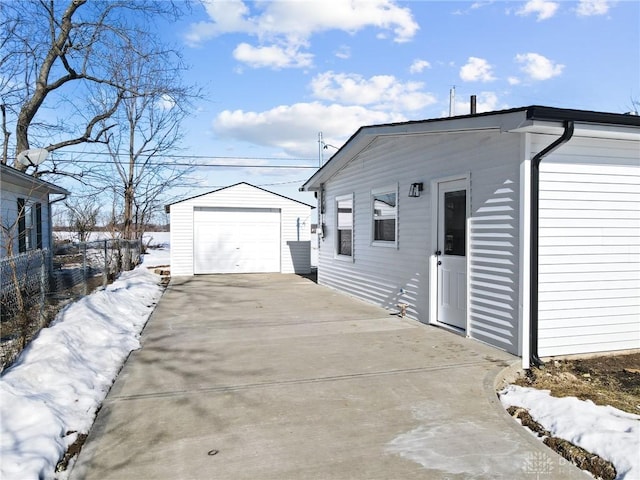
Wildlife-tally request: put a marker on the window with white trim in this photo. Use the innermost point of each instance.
(385, 215)
(344, 225)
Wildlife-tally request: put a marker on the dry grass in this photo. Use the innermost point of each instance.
(608, 380)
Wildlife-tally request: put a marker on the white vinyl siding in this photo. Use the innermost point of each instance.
(388, 276)
(295, 226)
(589, 264)
(493, 265)
(9, 215)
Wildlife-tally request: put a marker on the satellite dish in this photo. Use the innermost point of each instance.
(32, 157)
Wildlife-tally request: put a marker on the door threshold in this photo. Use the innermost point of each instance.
(450, 328)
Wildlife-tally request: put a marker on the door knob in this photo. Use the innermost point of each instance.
(438, 253)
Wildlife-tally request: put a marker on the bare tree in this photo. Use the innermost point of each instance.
(59, 55)
(145, 132)
(82, 214)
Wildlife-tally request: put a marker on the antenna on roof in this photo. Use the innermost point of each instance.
(452, 101)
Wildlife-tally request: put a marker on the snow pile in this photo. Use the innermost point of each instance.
(53, 391)
(610, 433)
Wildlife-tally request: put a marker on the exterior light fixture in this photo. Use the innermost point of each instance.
(415, 189)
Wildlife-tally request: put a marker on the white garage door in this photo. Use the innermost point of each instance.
(236, 240)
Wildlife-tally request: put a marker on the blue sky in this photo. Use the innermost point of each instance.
(275, 73)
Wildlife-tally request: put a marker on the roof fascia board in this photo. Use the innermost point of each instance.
(30, 182)
(590, 130)
(581, 116)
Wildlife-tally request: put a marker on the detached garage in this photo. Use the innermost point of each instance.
(240, 229)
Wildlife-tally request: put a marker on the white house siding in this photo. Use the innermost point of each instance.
(9, 194)
(387, 276)
(295, 225)
(493, 264)
(589, 280)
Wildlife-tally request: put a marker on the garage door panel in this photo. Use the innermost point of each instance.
(236, 241)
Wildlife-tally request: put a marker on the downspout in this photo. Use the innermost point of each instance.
(534, 244)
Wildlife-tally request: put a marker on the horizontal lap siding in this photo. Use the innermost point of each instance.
(493, 244)
(9, 194)
(377, 274)
(295, 228)
(589, 283)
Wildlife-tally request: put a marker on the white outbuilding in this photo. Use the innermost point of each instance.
(240, 229)
(518, 228)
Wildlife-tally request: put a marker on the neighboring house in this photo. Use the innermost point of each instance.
(442, 215)
(25, 212)
(240, 229)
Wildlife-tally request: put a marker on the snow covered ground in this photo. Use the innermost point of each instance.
(51, 394)
(610, 433)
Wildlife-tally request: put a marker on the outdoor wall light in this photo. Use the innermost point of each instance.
(415, 189)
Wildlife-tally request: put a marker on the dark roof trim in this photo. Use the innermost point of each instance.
(167, 208)
(533, 113)
(22, 179)
(581, 116)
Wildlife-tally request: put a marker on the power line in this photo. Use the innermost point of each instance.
(208, 187)
(197, 165)
(212, 157)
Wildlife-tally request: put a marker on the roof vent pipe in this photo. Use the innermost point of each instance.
(473, 104)
(534, 258)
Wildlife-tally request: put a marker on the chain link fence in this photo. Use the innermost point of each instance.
(36, 284)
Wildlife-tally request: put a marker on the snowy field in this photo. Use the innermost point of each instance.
(51, 394)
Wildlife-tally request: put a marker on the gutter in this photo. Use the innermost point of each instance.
(534, 241)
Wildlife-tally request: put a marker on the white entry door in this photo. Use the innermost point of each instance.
(451, 253)
(236, 240)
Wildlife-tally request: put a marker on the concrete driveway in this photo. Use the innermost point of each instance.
(275, 377)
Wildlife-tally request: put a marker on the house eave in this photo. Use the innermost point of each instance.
(590, 130)
(532, 119)
(11, 175)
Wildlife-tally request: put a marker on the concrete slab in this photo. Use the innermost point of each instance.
(275, 377)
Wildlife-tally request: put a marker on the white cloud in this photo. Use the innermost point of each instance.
(419, 65)
(380, 91)
(274, 56)
(227, 17)
(543, 8)
(166, 102)
(292, 23)
(473, 6)
(538, 67)
(513, 81)
(476, 70)
(587, 8)
(344, 52)
(294, 128)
